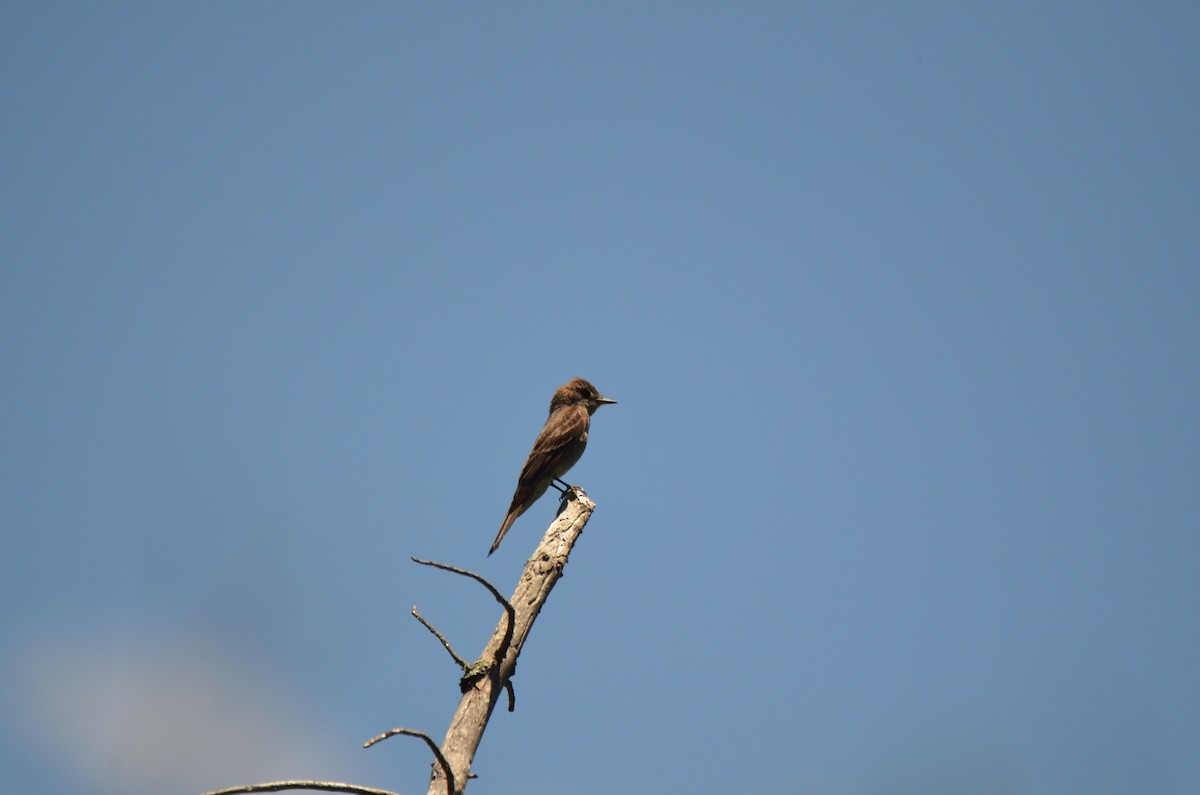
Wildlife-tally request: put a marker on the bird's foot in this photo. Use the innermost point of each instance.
(570, 493)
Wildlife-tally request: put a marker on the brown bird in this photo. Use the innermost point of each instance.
(558, 447)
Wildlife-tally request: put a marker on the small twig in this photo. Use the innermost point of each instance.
(428, 741)
(508, 608)
(512, 695)
(325, 786)
(463, 664)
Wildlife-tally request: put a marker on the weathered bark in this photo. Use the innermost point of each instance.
(482, 692)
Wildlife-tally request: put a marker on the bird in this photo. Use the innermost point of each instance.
(557, 448)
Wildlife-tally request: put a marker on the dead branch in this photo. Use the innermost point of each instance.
(463, 664)
(491, 674)
(323, 786)
(542, 572)
(437, 752)
(508, 608)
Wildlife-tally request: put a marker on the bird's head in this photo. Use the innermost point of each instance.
(578, 392)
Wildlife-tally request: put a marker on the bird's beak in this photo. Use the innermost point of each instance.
(605, 400)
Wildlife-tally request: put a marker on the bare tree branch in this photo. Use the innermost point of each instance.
(323, 786)
(463, 664)
(428, 741)
(542, 572)
(508, 608)
(483, 681)
(512, 695)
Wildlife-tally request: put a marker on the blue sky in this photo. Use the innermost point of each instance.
(899, 302)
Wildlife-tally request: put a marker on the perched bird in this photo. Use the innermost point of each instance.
(558, 447)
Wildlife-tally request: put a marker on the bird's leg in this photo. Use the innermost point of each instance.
(565, 495)
(564, 491)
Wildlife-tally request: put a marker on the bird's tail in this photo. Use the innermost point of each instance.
(508, 520)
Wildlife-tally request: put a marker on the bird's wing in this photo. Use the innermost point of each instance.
(566, 428)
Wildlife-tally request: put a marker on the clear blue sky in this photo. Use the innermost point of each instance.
(901, 303)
